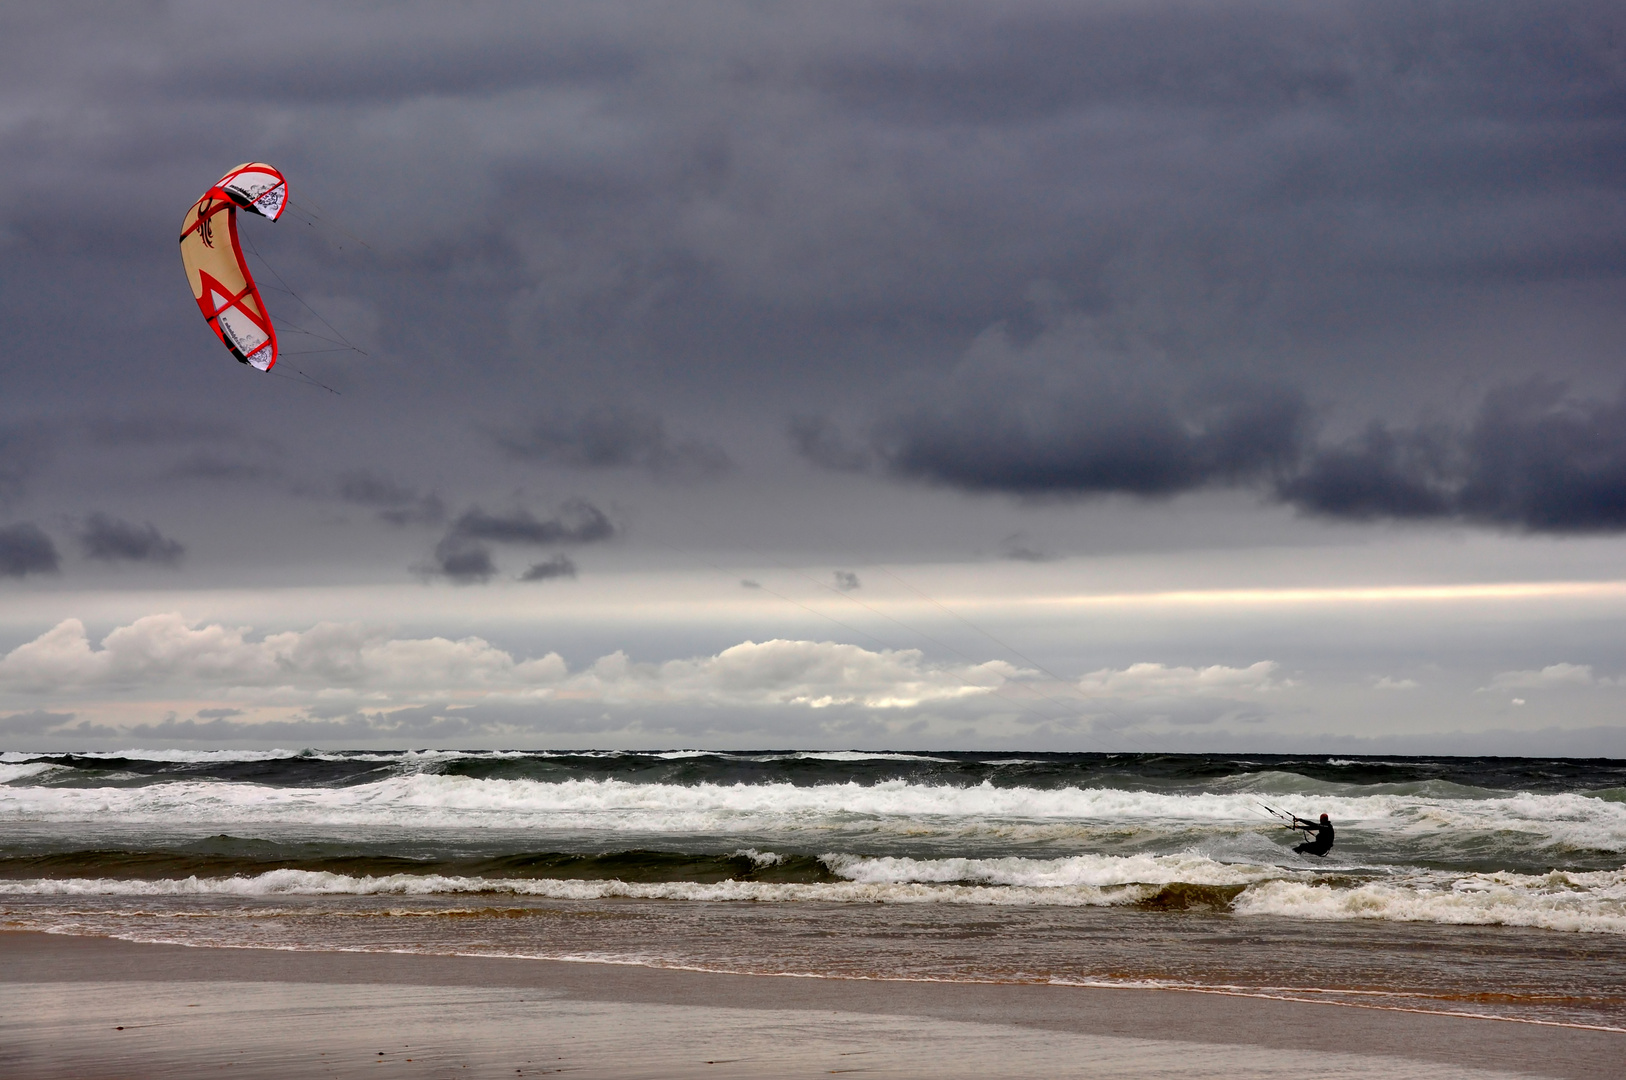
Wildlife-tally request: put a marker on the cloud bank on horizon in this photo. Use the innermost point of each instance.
(1155, 289)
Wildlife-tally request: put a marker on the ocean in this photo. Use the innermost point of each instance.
(1484, 886)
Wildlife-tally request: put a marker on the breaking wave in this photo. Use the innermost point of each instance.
(1516, 842)
(1589, 902)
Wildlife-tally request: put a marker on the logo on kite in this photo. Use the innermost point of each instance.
(216, 269)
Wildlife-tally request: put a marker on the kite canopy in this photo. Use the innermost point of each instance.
(219, 275)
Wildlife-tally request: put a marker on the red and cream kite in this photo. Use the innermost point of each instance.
(221, 283)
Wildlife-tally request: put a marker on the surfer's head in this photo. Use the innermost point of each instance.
(1325, 820)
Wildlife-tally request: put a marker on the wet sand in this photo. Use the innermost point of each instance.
(97, 1008)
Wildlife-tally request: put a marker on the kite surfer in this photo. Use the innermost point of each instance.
(1317, 834)
(1321, 842)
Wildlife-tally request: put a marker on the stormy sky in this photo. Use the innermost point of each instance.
(1096, 376)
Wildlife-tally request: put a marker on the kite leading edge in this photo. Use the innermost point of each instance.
(216, 269)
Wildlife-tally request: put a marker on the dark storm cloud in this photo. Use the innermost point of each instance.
(900, 157)
(25, 549)
(185, 447)
(1083, 442)
(1533, 459)
(1016, 423)
(111, 539)
(392, 502)
(803, 208)
(578, 522)
(22, 451)
(611, 436)
(559, 566)
(480, 53)
(1036, 61)
(33, 723)
(225, 730)
(464, 554)
(159, 430)
(460, 561)
(821, 441)
(1379, 474)
(1019, 547)
(226, 470)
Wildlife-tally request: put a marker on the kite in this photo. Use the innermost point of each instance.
(215, 267)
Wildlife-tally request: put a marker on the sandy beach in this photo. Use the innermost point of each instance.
(91, 1007)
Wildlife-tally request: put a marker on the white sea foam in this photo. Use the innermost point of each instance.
(426, 799)
(23, 771)
(1593, 902)
(854, 755)
(321, 883)
(1590, 902)
(1095, 871)
(760, 858)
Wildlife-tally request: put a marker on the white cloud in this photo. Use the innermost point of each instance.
(337, 662)
(1158, 680)
(780, 672)
(1550, 677)
(165, 650)
(1386, 683)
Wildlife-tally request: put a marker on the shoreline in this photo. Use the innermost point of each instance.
(52, 984)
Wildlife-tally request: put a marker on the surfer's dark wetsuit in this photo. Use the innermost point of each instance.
(1322, 843)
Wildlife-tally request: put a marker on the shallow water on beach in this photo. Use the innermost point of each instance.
(1487, 886)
